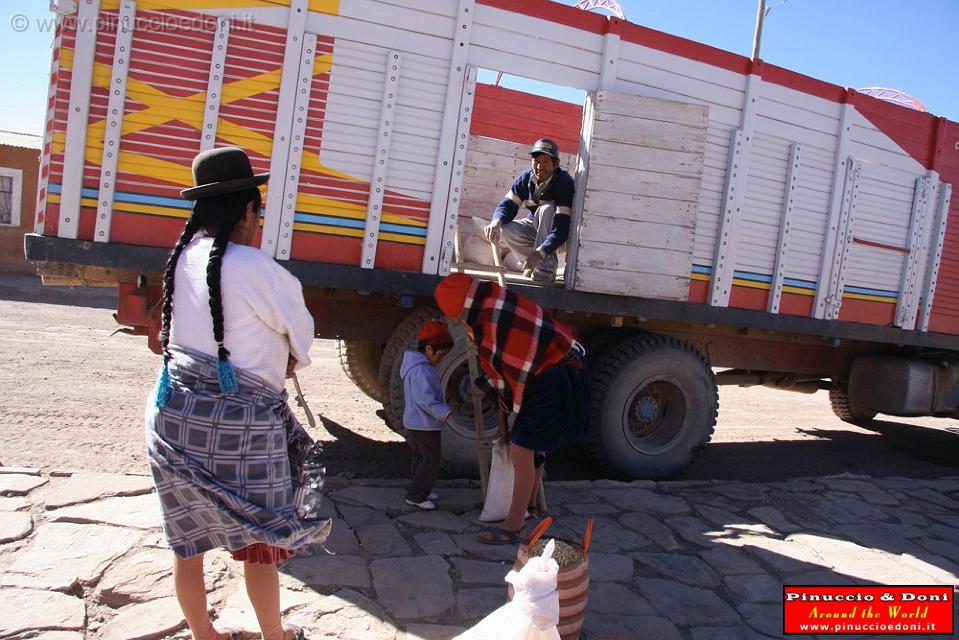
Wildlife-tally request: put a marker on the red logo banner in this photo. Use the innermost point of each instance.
(893, 610)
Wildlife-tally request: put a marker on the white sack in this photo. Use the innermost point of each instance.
(499, 489)
(534, 611)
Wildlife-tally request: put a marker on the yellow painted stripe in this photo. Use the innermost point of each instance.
(130, 207)
(864, 296)
(751, 284)
(325, 6)
(321, 6)
(799, 291)
(322, 228)
(704, 277)
(356, 233)
(196, 5)
(153, 210)
(318, 205)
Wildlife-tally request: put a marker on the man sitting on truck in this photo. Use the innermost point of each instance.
(546, 191)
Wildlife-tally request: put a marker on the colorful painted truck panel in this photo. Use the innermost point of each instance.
(813, 200)
(729, 213)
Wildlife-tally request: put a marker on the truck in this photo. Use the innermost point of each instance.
(735, 222)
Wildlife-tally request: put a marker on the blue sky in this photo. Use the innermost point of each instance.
(911, 45)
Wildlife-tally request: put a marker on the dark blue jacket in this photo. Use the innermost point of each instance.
(559, 192)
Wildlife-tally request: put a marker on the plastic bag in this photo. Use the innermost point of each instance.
(499, 490)
(534, 611)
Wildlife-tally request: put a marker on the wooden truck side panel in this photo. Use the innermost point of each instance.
(814, 201)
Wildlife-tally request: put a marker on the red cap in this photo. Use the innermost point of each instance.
(451, 293)
(435, 332)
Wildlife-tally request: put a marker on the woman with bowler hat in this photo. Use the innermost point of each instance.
(234, 325)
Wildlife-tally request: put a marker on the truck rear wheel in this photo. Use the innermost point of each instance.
(361, 363)
(654, 407)
(459, 433)
(848, 411)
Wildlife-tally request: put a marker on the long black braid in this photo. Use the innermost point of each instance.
(221, 213)
(189, 230)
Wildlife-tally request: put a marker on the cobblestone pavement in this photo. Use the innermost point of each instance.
(82, 555)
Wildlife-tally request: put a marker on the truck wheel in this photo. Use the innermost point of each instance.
(654, 407)
(848, 411)
(402, 338)
(603, 340)
(459, 434)
(361, 364)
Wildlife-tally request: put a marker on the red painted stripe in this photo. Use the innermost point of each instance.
(535, 117)
(148, 231)
(801, 82)
(880, 245)
(867, 312)
(334, 249)
(683, 47)
(562, 14)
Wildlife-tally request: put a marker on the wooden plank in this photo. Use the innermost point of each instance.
(685, 113)
(682, 88)
(627, 283)
(630, 233)
(647, 183)
(629, 156)
(636, 260)
(680, 66)
(662, 135)
(641, 208)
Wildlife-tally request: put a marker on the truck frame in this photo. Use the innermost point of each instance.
(735, 222)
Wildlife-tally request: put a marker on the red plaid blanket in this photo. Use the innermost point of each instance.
(514, 337)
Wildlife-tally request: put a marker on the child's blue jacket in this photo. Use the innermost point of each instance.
(425, 408)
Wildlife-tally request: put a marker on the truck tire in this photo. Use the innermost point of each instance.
(361, 363)
(848, 411)
(459, 433)
(402, 338)
(655, 403)
(603, 340)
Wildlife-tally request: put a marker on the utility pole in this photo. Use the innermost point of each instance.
(761, 11)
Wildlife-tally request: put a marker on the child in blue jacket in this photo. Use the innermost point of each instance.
(425, 410)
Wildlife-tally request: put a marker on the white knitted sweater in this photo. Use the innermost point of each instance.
(264, 316)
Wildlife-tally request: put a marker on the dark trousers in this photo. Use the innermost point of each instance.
(424, 462)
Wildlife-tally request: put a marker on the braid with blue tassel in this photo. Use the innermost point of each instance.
(163, 389)
(223, 213)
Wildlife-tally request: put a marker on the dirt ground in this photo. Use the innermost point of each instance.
(72, 396)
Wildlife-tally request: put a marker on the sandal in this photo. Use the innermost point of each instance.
(499, 535)
(298, 633)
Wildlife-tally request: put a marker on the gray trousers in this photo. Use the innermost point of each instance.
(524, 235)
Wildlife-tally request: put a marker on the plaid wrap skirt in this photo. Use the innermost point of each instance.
(220, 463)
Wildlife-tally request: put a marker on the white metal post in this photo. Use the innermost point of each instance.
(609, 59)
(74, 154)
(462, 33)
(937, 243)
(114, 123)
(282, 131)
(214, 84)
(846, 224)
(737, 175)
(830, 258)
(789, 201)
(374, 206)
(459, 167)
(579, 195)
(908, 302)
(291, 185)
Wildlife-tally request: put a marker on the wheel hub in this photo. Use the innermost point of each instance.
(654, 415)
(647, 409)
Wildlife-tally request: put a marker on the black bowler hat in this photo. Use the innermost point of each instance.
(223, 170)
